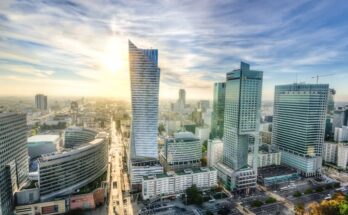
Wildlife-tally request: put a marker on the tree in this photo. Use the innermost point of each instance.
(319, 189)
(161, 128)
(297, 194)
(299, 209)
(308, 191)
(256, 203)
(193, 195)
(204, 146)
(270, 200)
(204, 161)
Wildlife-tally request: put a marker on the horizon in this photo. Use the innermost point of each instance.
(77, 48)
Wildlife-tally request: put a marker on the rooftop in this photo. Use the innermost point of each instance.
(43, 138)
(275, 170)
(184, 172)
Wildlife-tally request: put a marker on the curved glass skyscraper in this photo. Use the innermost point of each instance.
(145, 76)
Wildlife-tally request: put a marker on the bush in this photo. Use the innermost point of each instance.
(319, 189)
(194, 196)
(308, 191)
(297, 194)
(270, 200)
(328, 186)
(256, 203)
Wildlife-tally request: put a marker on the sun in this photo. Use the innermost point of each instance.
(113, 58)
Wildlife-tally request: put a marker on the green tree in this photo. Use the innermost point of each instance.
(270, 200)
(256, 203)
(193, 195)
(308, 191)
(161, 128)
(297, 194)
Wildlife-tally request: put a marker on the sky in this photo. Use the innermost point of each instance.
(80, 47)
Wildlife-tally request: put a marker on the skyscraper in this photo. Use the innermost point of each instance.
(145, 77)
(299, 125)
(182, 100)
(13, 158)
(331, 101)
(41, 101)
(217, 125)
(241, 126)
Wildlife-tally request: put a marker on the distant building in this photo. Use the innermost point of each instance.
(341, 134)
(42, 144)
(14, 167)
(214, 153)
(41, 102)
(342, 155)
(62, 173)
(145, 79)
(331, 101)
(181, 101)
(171, 183)
(217, 124)
(297, 131)
(202, 133)
(241, 124)
(340, 118)
(180, 152)
(203, 105)
(330, 152)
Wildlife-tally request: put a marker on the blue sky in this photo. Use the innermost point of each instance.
(65, 47)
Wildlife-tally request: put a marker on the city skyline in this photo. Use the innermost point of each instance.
(80, 48)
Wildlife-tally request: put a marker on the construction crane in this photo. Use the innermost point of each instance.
(318, 76)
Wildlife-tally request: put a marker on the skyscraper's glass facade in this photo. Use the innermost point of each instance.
(218, 110)
(145, 76)
(299, 124)
(242, 114)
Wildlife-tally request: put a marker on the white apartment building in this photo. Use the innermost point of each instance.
(202, 133)
(341, 134)
(265, 158)
(330, 152)
(214, 153)
(342, 155)
(173, 183)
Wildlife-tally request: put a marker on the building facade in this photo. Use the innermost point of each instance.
(214, 152)
(342, 155)
(217, 124)
(241, 125)
(163, 185)
(145, 78)
(341, 134)
(75, 136)
(14, 167)
(299, 125)
(340, 118)
(330, 152)
(64, 172)
(42, 144)
(47, 208)
(331, 101)
(41, 102)
(180, 152)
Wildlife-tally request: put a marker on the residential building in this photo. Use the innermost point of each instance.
(217, 124)
(265, 157)
(181, 151)
(214, 152)
(341, 134)
(42, 144)
(342, 155)
(62, 173)
(330, 152)
(299, 125)
(145, 78)
(172, 184)
(241, 126)
(14, 167)
(41, 102)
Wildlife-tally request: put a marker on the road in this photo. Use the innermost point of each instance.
(120, 201)
(279, 198)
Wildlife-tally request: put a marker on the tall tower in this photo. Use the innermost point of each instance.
(242, 114)
(182, 100)
(241, 127)
(144, 78)
(41, 101)
(13, 158)
(299, 125)
(217, 124)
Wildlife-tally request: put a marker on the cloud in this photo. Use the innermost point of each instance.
(198, 42)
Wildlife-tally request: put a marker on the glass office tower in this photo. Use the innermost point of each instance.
(299, 125)
(217, 125)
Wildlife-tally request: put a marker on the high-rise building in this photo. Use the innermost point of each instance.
(145, 78)
(341, 134)
(214, 152)
(41, 101)
(14, 167)
(181, 101)
(330, 152)
(340, 118)
(241, 127)
(331, 101)
(217, 124)
(299, 125)
(342, 155)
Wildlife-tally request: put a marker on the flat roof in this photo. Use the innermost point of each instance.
(275, 170)
(183, 172)
(43, 138)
